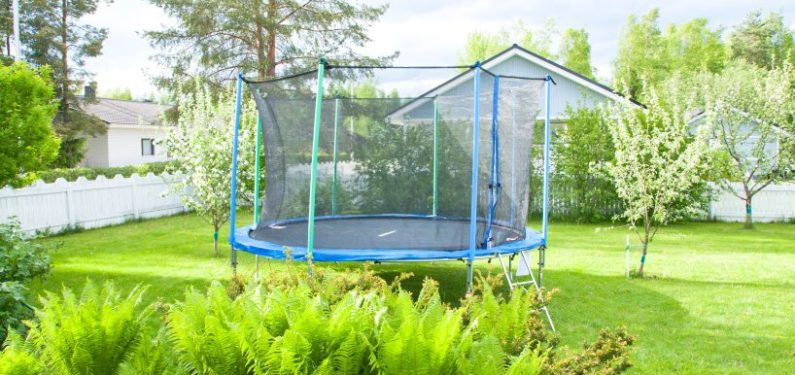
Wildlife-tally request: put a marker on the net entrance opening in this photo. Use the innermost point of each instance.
(395, 165)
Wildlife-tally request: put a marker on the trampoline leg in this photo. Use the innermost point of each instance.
(233, 258)
(470, 274)
(542, 252)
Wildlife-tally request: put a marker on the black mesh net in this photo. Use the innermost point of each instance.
(395, 172)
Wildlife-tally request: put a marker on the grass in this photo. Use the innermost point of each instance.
(722, 299)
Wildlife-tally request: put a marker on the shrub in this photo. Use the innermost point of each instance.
(27, 140)
(20, 261)
(292, 324)
(585, 140)
(72, 174)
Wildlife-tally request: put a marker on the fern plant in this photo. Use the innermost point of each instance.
(90, 333)
(295, 326)
(514, 321)
(203, 332)
(15, 360)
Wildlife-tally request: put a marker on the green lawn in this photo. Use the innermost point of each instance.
(722, 301)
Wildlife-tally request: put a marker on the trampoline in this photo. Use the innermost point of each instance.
(382, 177)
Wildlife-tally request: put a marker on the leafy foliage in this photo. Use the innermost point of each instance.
(658, 164)
(573, 49)
(338, 323)
(480, 46)
(18, 361)
(605, 356)
(90, 333)
(200, 142)
(647, 55)
(575, 52)
(750, 113)
(216, 39)
(53, 35)
(584, 141)
(72, 174)
(763, 40)
(26, 112)
(20, 260)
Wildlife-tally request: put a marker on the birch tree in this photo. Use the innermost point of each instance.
(657, 164)
(200, 140)
(750, 112)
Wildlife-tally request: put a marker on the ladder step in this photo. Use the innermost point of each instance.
(522, 283)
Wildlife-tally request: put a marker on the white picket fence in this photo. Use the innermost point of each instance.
(774, 203)
(102, 202)
(89, 203)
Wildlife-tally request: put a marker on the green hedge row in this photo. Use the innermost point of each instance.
(72, 174)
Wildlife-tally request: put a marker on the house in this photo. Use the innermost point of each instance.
(571, 89)
(134, 128)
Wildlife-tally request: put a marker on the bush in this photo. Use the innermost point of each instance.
(27, 140)
(72, 174)
(20, 260)
(585, 140)
(337, 323)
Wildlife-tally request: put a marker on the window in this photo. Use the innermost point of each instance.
(147, 146)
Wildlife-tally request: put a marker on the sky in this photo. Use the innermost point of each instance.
(425, 31)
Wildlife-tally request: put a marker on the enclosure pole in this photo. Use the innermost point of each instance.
(257, 170)
(473, 203)
(542, 251)
(310, 242)
(256, 184)
(233, 190)
(435, 156)
(547, 137)
(334, 157)
(513, 161)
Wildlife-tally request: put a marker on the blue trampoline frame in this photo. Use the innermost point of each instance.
(239, 238)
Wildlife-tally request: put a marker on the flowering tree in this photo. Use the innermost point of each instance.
(748, 111)
(200, 140)
(657, 164)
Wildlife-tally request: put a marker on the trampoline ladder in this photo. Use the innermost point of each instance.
(513, 282)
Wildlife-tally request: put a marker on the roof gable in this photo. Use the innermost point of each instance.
(517, 61)
(126, 112)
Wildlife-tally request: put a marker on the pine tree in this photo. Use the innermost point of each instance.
(216, 39)
(53, 35)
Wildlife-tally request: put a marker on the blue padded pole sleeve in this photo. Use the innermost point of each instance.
(233, 190)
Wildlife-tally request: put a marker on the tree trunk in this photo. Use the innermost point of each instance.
(643, 258)
(749, 220)
(65, 61)
(271, 59)
(215, 242)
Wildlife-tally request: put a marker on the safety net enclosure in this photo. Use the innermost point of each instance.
(354, 174)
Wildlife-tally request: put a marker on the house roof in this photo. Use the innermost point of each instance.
(516, 50)
(126, 112)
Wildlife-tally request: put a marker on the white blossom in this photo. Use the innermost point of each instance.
(201, 143)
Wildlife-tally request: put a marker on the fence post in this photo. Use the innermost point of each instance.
(70, 205)
(133, 194)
